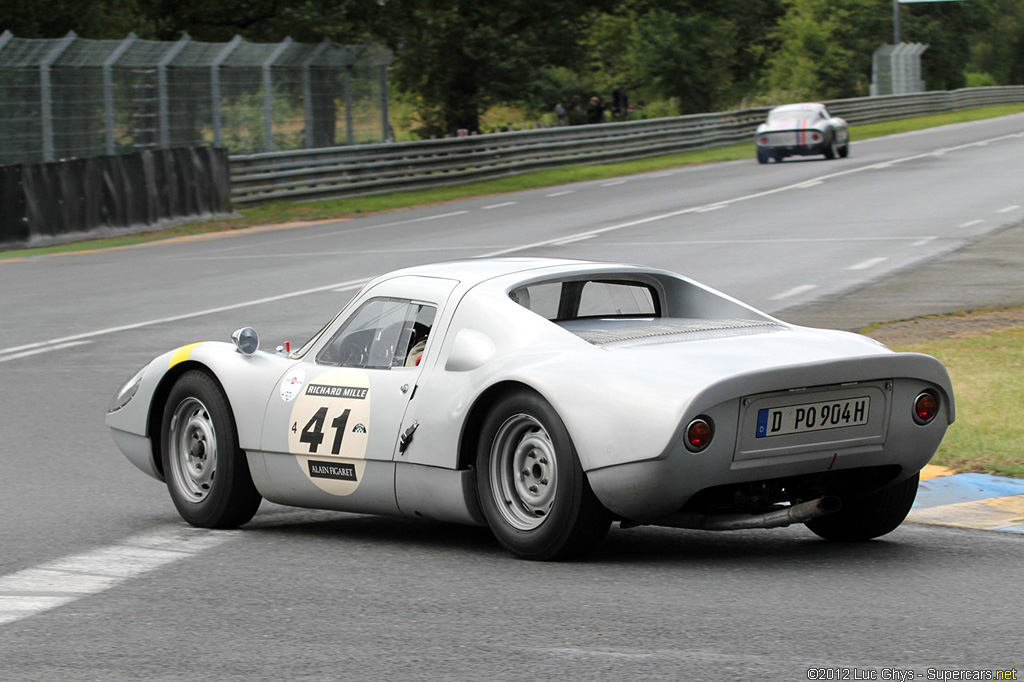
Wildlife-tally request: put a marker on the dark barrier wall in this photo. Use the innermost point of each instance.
(45, 202)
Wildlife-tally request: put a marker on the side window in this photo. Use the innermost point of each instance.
(382, 333)
(414, 335)
(540, 298)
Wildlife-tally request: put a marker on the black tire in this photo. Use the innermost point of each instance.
(844, 151)
(831, 149)
(206, 472)
(763, 155)
(530, 484)
(868, 517)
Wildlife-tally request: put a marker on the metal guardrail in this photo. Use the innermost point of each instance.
(377, 168)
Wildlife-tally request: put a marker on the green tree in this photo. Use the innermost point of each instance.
(946, 27)
(997, 42)
(460, 56)
(824, 48)
(701, 55)
(97, 19)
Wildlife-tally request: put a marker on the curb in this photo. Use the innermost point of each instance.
(977, 501)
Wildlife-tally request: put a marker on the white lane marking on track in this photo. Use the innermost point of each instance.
(561, 194)
(924, 240)
(572, 240)
(55, 583)
(708, 209)
(501, 205)
(869, 263)
(347, 229)
(795, 291)
(813, 183)
(42, 349)
(338, 286)
(613, 183)
(1008, 209)
(971, 223)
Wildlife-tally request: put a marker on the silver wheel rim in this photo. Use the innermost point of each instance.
(193, 450)
(523, 472)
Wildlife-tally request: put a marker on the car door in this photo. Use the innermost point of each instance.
(339, 412)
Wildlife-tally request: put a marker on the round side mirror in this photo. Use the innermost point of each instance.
(246, 340)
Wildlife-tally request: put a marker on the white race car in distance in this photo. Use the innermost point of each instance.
(802, 130)
(545, 399)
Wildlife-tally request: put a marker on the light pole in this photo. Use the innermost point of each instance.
(896, 39)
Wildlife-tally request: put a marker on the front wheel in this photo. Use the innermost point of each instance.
(868, 517)
(532, 488)
(844, 151)
(207, 473)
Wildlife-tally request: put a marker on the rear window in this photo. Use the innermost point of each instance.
(559, 301)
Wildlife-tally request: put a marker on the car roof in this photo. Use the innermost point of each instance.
(809, 106)
(473, 271)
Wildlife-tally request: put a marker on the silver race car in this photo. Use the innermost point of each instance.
(802, 130)
(545, 399)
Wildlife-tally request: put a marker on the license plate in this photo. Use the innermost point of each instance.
(827, 414)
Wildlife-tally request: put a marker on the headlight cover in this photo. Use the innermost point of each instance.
(126, 392)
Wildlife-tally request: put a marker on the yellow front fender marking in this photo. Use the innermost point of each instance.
(182, 354)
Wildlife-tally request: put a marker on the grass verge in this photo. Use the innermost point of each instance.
(987, 371)
(289, 212)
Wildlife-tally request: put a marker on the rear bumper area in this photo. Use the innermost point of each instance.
(795, 150)
(644, 491)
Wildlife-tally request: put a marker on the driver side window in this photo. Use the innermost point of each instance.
(382, 333)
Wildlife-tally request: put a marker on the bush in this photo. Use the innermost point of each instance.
(979, 80)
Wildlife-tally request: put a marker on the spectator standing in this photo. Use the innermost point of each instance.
(595, 112)
(575, 111)
(562, 114)
(620, 104)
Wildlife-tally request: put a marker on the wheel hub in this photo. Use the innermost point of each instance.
(523, 471)
(193, 449)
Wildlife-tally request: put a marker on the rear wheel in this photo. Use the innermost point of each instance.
(831, 149)
(763, 155)
(530, 483)
(868, 517)
(207, 473)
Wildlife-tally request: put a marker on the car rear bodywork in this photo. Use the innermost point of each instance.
(801, 130)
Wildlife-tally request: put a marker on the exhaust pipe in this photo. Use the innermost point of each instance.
(787, 516)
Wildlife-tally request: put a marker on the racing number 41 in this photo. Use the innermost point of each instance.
(313, 431)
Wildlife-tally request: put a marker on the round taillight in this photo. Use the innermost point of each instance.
(699, 433)
(764, 140)
(926, 407)
(816, 138)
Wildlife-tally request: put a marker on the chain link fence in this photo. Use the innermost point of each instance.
(73, 98)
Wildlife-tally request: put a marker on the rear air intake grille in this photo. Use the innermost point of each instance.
(675, 331)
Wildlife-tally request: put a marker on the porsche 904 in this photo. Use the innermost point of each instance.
(545, 399)
(802, 130)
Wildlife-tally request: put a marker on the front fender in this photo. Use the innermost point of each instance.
(247, 381)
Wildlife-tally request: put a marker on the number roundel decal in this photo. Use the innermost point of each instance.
(329, 428)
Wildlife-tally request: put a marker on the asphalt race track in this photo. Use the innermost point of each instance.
(101, 580)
